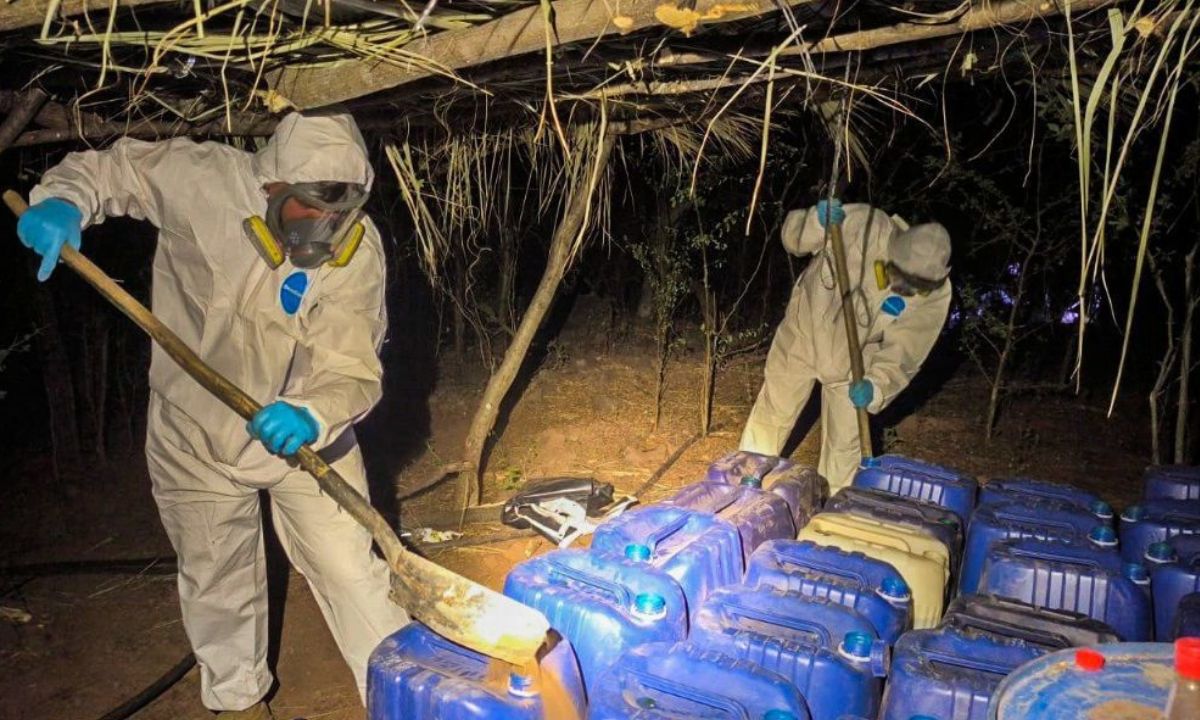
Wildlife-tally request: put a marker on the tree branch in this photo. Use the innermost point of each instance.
(246, 127)
(20, 115)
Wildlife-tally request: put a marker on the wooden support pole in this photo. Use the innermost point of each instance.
(578, 198)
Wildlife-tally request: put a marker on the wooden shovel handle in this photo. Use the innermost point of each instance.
(233, 396)
(849, 318)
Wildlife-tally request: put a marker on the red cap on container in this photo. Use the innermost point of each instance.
(1088, 660)
(1187, 657)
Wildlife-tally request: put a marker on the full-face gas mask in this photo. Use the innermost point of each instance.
(311, 224)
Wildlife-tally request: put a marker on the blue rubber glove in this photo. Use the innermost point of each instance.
(283, 428)
(862, 393)
(827, 210)
(46, 227)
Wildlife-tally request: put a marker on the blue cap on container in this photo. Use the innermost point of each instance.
(857, 645)
(650, 605)
(778, 715)
(1103, 535)
(1160, 552)
(1101, 509)
(521, 685)
(894, 588)
(637, 551)
(1133, 513)
(751, 481)
(1137, 573)
(870, 462)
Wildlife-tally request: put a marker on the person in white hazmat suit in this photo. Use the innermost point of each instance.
(266, 267)
(899, 277)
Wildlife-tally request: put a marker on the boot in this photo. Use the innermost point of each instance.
(257, 711)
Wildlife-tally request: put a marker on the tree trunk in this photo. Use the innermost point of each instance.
(1164, 368)
(506, 311)
(1010, 339)
(706, 383)
(661, 295)
(60, 392)
(122, 397)
(100, 385)
(460, 318)
(1183, 402)
(708, 306)
(576, 205)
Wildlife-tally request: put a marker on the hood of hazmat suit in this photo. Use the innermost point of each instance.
(309, 337)
(896, 332)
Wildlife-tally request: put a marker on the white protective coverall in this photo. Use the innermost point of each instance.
(211, 287)
(810, 344)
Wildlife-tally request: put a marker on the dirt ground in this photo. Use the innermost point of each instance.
(93, 640)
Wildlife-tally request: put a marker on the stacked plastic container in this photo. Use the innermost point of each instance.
(1164, 531)
(1078, 578)
(748, 594)
(1021, 509)
(953, 671)
(630, 605)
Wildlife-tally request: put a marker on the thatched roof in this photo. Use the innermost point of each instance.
(158, 67)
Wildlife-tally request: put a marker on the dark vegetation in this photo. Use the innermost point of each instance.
(1000, 173)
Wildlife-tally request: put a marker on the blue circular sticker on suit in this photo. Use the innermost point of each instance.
(893, 305)
(292, 292)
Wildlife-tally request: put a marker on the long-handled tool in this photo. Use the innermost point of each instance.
(849, 317)
(450, 604)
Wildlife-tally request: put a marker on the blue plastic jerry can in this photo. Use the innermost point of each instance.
(1126, 680)
(1040, 519)
(1171, 482)
(757, 515)
(1153, 521)
(828, 651)
(1171, 580)
(661, 681)
(919, 480)
(1002, 618)
(944, 673)
(1010, 489)
(1070, 577)
(1187, 617)
(698, 550)
(733, 467)
(602, 604)
(872, 588)
(930, 519)
(802, 487)
(415, 673)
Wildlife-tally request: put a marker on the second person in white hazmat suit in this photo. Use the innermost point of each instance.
(291, 309)
(900, 284)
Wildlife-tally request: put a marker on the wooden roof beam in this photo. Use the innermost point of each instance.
(19, 14)
(517, 33)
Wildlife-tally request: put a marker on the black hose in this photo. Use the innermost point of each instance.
(137, 566)
(152, 691)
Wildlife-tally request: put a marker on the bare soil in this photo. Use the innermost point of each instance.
(587, 409)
